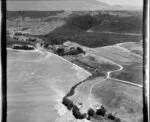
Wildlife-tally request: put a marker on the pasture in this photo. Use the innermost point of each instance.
(122, 99)
(36, 83)
(131, 62)
(135, 47)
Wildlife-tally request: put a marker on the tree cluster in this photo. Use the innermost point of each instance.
(23, 47)
(101, 111)
(77, 114)
(84, 21)
(68, 103)
(75, 51)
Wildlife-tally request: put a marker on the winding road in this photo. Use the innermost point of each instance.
(47, 54)
(109, 73)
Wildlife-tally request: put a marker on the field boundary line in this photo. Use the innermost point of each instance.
(127, 82)
(71, 63)
(108, 76)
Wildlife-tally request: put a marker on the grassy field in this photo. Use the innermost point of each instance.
(132, 64)
(135, 47)
(27, 56)
(123, 99)
(36, 86)
(38, 80)
(132, 73)
(96, 66)
(82, 93)
(117, 55)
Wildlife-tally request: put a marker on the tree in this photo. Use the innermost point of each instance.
(83, 22)
(101, 111)
(46, 45)
(91, 112)
(60, 51)
(80, 50)
(117, 119)
(110, 116)
(77, 114)
(88, 118)
(68, 103)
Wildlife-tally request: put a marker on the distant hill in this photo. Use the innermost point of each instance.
(127, 24)
(76, 28)
(31, 14)
(76, 24)
(57, 27)
(102, 22)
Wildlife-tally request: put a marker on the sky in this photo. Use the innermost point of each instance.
(69, 4)
(124, 2)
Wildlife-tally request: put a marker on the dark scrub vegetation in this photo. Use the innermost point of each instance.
(76, 30)
(68, 103)
(9, 43)
(31, 14)
(110, 116)
(77, 114)
(113, 23)
(74, 51)
(91, 112)
(23, 47)
(93, 39)
(101, 111)
(83, 22)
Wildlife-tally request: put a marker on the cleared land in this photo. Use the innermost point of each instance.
(36, 23)
(117, 54)
(96, 66)
(39, 80)
(82, 93)
(132, 73)
(135, 47)
(123, 100)
(57, 27)
(36, 86)
(132, 63)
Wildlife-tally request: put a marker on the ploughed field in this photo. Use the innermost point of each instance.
(36, 83)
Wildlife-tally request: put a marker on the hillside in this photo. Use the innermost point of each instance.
(75, 66)
(88, 28)
(31, 14)
(101, 24)
(127, 24)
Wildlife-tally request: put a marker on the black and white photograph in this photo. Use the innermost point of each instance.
(75, 61)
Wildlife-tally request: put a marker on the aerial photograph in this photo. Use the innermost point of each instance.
(74, 60)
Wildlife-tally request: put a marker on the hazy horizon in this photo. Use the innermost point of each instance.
(38, 5)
